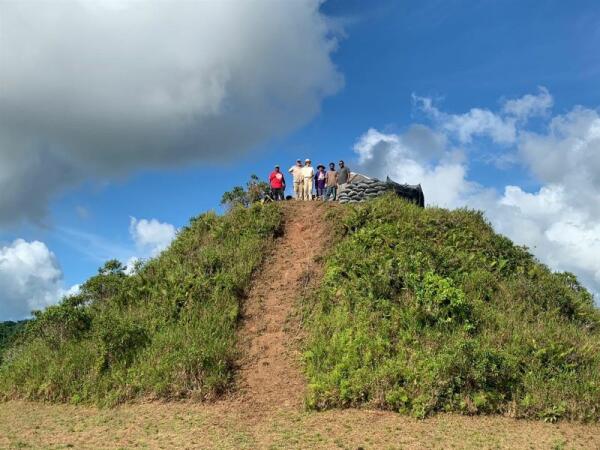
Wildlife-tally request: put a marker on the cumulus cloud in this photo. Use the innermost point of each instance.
(478, 122)
(530, 105)
(97, 89)
(559, 222)
(426, 161)
(568, 152)
(151, 236)
(30, 278)
(563, 235)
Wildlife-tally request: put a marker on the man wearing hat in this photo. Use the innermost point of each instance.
(277, 183)
(308, 174)
(296, 172)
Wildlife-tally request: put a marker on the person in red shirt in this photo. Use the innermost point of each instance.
(277, 182)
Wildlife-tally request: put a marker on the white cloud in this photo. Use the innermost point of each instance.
(568, 152)
(559, 222)
(151, 235)
(30, 278)
(478, 122)
(529, 105)
(98, 89)
(481, 122)
(563, 235)
(441, 172)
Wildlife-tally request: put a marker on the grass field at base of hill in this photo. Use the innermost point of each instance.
(34, 425)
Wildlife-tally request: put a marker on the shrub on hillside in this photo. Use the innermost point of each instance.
(9, 331)
(256, 190)
(425, 310)
(166, 331)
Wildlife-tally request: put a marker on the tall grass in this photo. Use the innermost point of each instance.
(425, 310)
(8, 333)
(167, 331)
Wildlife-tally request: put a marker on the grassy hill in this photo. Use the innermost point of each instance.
(168, 331)
(418, 311)
(425, 310)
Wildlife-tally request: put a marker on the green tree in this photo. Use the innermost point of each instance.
(256, 190)
(103, 286)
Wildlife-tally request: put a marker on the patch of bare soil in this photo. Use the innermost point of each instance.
(270, 376)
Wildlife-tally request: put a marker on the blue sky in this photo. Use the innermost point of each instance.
(370, 65)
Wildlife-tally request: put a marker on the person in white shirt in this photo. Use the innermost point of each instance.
(308, 173)
(296, 172)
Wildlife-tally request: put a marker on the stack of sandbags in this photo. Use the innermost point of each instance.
(361, 188)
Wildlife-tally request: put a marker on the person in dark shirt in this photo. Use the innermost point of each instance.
(343, 174)
(320, 178)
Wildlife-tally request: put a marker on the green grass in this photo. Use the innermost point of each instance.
(425, 310)
(168, 331)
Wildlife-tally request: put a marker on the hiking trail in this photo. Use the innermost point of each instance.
(270, 375)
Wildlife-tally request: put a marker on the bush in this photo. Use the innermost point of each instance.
(425, 310)
(440, 302)
(60, 323)
(9, 331)
(256, 190)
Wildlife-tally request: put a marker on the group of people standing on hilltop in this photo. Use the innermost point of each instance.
(305, 177)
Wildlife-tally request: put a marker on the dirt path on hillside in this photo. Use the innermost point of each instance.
(270, 375)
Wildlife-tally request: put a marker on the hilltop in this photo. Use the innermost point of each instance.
(383, 304)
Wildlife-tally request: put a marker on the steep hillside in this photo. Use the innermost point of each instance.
(401, 308)
(168, 331)
(425, 310)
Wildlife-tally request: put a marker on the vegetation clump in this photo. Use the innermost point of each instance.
(425, 310)
(9, 331)
(256, 191)
(165, 331)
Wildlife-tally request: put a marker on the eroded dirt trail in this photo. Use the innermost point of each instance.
(270, 376)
